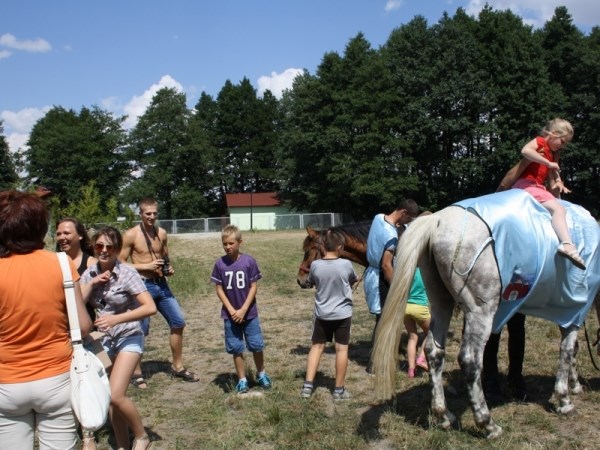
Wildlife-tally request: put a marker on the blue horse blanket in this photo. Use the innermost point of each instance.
(535, 280)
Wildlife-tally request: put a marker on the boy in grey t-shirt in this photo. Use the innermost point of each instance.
(333, 278)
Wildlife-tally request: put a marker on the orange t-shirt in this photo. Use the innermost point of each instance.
(34, 331)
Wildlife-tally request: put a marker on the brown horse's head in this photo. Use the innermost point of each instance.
(313, 249)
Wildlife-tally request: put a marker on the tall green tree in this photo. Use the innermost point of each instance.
(574, 68)
(204, 152)
(68, 150)
(343, 153)
(241, 129)
(518, 95)
(408, 55)
(379, 166)
(158, 152)
(8, 174)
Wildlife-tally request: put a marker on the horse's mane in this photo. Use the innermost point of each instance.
(358, 231)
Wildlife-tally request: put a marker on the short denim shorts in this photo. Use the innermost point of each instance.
(133, 344)
(237, 333)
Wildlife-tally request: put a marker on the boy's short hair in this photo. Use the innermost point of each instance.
(410, 206)
(228, 230)
(333, 239)
(146, 201)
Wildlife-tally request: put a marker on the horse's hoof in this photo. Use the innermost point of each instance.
(445, 425)
(493, 431)
(568, 410)
(448, 422)
(577, 389)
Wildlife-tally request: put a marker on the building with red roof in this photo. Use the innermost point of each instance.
(255, 211)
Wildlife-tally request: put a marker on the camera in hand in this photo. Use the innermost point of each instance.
(166, 267)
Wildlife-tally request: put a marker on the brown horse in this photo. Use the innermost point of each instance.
(355, 247)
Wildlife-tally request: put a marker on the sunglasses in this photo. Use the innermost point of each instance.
(100, 247)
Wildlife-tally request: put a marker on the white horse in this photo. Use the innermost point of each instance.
(456, 254)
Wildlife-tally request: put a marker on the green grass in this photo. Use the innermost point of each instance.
(207, 415)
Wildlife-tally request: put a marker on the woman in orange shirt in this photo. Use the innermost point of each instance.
(35, 347)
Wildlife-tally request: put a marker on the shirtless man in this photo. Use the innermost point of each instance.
(146, 246)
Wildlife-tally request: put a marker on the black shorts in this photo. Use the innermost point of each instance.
(325, 330)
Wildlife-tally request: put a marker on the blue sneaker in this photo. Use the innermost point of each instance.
(242, 387)
(264, 381)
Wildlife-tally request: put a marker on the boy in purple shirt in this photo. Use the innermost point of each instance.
(235, 276)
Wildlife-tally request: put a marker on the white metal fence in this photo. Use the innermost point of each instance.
(276, 222)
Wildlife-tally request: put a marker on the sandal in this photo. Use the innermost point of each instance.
(139, 381)
(185, 375)
(572, 255)
(143, 443)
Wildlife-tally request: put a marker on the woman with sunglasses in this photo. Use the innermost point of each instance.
(121, 300)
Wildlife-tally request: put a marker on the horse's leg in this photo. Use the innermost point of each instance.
(566, 360)
(574, 384)
(435, 348)
(477, 329)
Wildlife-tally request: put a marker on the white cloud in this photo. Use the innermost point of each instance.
(278, 82)
(16, 141)
(38, 45)
(22, 121)
(111, 104)
(536, 13)
(392, 5)
(18, 125)
(138, 104)
(5, 54)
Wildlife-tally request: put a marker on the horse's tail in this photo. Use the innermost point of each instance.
(414, 242)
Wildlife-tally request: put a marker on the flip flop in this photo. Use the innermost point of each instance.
(572, 255)
(185, 375)
(139, 381)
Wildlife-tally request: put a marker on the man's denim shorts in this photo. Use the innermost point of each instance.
(166, 304)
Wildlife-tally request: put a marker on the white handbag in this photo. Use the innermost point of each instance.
(90, 388)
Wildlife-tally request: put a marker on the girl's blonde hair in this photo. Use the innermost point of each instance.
(558, 128)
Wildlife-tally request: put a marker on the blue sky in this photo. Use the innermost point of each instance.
(117, 54)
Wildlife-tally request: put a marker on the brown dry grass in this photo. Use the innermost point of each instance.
(206, 415)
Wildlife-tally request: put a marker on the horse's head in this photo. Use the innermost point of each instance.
(313, 249)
